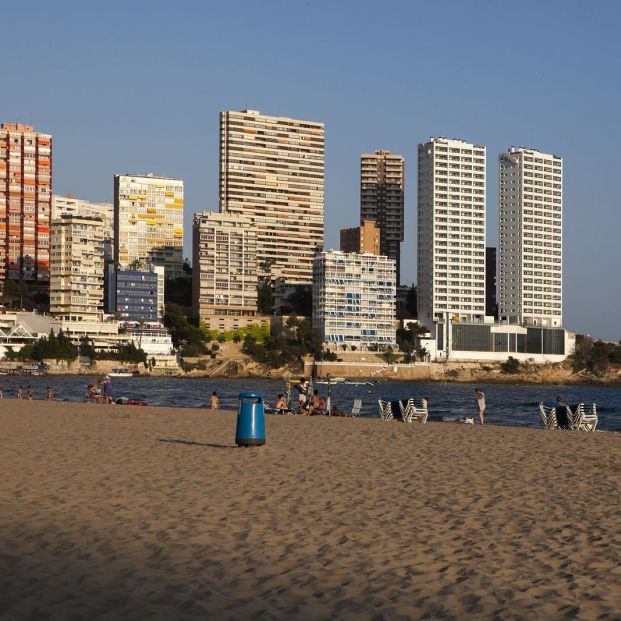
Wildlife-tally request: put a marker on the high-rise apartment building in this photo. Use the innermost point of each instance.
(354, 299)
(224, 270)
(381, 199)
(530, 237)
(272, 171)
(77, 268)
(451, 231)
(135, 295)
(364, 238)
(148, 222)
(25, 201)
(68, 205)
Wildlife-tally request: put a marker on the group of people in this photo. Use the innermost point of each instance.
(19, 393)
(308, 405)
(100, 392)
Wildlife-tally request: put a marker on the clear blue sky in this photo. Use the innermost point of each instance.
(137, 86)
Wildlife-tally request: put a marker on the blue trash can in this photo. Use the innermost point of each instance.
(250, 420)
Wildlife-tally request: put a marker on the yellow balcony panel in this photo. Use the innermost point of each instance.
(169, 193)
(179, 201)
(160, 185)
(133, 197)
(143, 215)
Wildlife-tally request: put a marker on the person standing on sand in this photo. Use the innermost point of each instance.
(214, 402)
(1, 393)
(107, 391)
(480, 395)
(19, 391)
(29, 393)
(303, 392)
(50, 394)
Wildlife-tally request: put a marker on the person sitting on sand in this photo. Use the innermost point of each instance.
(480, 396)
(214, 402)
(314, 404)
(281, 404)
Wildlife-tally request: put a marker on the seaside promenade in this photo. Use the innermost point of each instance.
(152, 513)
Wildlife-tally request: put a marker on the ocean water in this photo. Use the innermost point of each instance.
(514, 405)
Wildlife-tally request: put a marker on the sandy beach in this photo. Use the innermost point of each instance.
(112, 512)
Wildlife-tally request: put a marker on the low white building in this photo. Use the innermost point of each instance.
(354, 299)
(495, 342)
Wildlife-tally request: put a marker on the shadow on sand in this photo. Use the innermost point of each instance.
(193, 443)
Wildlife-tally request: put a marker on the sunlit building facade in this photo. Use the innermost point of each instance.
(25, 204)
(272, 171)
(148, 223)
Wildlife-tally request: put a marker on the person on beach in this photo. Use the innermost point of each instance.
(19, 391)
(1, 393)
(425, 402)
(106, 393)
(50, 394)
(314, 403)
(480, 396)
(303, 393)
(214, 402)
(29, 393)
(281, 404)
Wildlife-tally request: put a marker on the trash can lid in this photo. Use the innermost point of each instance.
(250, 395)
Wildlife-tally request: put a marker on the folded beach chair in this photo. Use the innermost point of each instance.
(548, 416)
(581, 420)
(419, 414)
(407, 410)
(385, 409)
(355, 411)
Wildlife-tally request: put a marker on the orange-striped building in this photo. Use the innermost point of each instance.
(25, 203)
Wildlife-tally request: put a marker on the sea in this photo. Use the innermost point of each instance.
(507, 404)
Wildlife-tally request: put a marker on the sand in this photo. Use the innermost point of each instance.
(113, 512)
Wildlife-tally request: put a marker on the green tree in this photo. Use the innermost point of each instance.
(178, 291)
(15, 290)
(510, 366)
(189, 338)
(87, 348)
(389, 356)
(265, 299)
(300, 300)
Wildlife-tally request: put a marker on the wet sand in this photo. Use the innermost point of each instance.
(111, 512)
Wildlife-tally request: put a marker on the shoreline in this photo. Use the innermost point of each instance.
(503, 380)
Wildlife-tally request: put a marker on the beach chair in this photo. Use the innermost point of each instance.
(581, 420)
(419, 414)
(548, 416)
(355, 411)
(385, 409)
(407, 410)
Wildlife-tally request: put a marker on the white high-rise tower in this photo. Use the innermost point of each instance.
(451, 231)
(530, 288)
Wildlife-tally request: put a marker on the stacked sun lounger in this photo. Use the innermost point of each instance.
(574, 418)
(407, 411)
